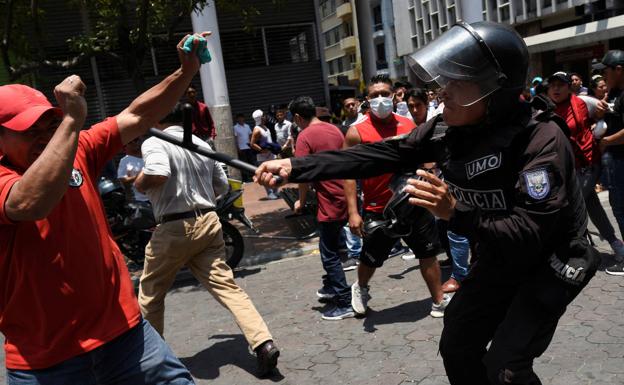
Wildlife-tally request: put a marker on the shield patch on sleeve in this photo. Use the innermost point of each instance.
(538, 185)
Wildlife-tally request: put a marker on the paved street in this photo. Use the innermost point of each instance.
(396, 344)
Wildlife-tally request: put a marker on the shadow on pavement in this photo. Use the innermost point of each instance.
(405, 312)
(244, 272)
(233, 350)
(401, 275)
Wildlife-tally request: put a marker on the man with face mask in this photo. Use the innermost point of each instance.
(378, 124)
(509, 186)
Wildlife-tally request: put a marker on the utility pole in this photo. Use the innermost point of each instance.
(365, 31)
(214, 84)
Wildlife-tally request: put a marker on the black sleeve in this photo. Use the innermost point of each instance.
(542, 196)
(404, 152)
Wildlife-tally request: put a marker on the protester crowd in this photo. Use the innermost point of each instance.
(84, 318)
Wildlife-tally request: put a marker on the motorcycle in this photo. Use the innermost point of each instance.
(132, 223)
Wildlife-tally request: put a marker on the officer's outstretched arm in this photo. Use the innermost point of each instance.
(542, 201)
(358, 162)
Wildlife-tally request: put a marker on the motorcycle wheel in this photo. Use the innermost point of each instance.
(234, 244)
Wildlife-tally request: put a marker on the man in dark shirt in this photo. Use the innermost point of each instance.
(613, 141)
(320, 136)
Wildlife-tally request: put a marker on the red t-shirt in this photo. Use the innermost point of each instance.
(574, 111)
(318, 137)
(203, 125)
(64, 286)
(375, 190)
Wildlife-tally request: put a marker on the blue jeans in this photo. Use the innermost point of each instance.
(460, 251)
(615, 177)
(334, 280)
(137, 357)
(352, 241)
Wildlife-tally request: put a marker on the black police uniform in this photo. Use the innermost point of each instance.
(519, 203)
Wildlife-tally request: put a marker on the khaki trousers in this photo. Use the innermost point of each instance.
(198, 244)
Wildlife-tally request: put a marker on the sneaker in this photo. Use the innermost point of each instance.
(337, 313)
(398, 250)
(437, 310)
(324, 294)
(350, 264)
(617, 269)
(446, 264)
(359, 298)
(409, 256)
(618, 249)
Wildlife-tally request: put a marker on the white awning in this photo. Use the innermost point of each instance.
(593, 32)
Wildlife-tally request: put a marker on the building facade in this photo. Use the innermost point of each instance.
(340, 41)
(358, 41)
(560, 34)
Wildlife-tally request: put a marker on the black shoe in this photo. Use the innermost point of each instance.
(398, 250)
(266, 355)
(617, 269)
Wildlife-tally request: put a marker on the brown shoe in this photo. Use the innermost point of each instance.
(450, 286)
(266, 355)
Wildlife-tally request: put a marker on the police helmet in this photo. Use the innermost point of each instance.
(491, 55)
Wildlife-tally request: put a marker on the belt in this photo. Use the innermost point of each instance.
(184, 215)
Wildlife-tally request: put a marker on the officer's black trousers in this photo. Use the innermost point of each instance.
(519, 319)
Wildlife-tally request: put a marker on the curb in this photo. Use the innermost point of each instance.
(264, 258)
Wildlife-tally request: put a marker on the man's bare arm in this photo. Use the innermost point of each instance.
(350, 186)
(154, 104)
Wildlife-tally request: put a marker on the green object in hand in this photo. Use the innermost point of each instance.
(202, 50)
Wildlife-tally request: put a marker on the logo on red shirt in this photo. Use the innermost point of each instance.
(76, 178)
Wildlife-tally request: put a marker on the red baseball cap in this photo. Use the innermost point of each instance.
(21, 106)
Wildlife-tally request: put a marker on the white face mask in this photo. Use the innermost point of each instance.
(381, 106)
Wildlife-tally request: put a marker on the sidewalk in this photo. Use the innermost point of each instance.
(269, 218)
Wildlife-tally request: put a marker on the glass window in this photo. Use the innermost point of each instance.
(377, 24)
(328, 7)
(290, 44)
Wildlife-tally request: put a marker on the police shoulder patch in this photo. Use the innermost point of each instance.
(537, 183)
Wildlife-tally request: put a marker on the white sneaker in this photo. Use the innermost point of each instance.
(618, 249)
(437, 310)
(408, 256)
(359, 298)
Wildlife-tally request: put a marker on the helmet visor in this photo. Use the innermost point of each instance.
(454, 60)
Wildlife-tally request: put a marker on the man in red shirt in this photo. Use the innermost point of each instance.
(378, 124)
(203, 125)
(320, 136)
(573, 110)
(67, 305)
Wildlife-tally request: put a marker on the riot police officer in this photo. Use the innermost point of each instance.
(509, 186)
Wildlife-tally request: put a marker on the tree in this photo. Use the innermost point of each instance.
(121, 30)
